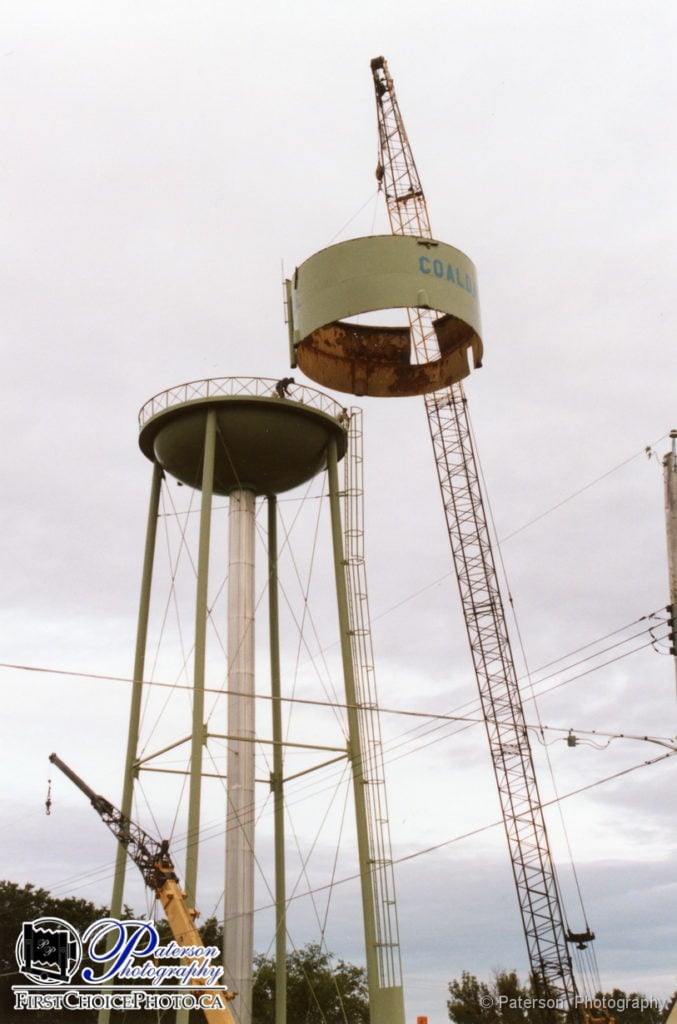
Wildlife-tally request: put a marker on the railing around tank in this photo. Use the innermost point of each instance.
(234, 387)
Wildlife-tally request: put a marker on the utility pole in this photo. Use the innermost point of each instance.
(670, 477)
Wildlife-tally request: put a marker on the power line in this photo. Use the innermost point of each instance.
(580, 491)
(404, 712)
(452, 840)
(450, 716)
(493, 824)
(535, 519)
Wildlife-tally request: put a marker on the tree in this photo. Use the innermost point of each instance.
(320, 990)
(26, 903)
(630, 1008)
(502, 1001)
(505, 1000)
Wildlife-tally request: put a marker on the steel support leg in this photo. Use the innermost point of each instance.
(277, 775)
(386, 1004)
(137, 691)
(201, 617)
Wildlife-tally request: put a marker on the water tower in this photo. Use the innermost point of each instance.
(249, 440)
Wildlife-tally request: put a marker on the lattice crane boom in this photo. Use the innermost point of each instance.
(533, 870)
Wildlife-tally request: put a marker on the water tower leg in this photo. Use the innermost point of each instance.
(277, 775)
(137, 690)
(199, 660)
(386, 1003)
(238, 931)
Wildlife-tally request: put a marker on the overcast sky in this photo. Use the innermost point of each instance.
(161, 162)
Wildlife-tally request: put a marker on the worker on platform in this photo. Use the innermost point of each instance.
(282, 387)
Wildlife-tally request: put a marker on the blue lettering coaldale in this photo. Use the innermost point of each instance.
(438, 268)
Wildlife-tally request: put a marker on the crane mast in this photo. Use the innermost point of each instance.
(457, 468)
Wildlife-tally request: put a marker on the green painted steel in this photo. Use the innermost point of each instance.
(386, 1005)
(137, 692)
(277, 774)
(383, 272)
(266, 445)
(198, 737)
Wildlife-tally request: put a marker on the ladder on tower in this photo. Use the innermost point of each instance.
(373, 771)
(447, 412)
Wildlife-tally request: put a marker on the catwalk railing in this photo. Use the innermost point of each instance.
(236, 387)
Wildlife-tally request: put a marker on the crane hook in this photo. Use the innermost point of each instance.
(48, 801)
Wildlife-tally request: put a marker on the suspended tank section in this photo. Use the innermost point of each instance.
(376, 273)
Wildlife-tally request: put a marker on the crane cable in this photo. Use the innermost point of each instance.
(372, 199)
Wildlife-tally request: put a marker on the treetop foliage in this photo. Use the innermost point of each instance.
(505, 1000)
(320, 989)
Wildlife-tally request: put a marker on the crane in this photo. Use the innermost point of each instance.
(155, 864)
(543, 920)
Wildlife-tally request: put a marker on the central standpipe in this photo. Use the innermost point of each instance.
(238, 933)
